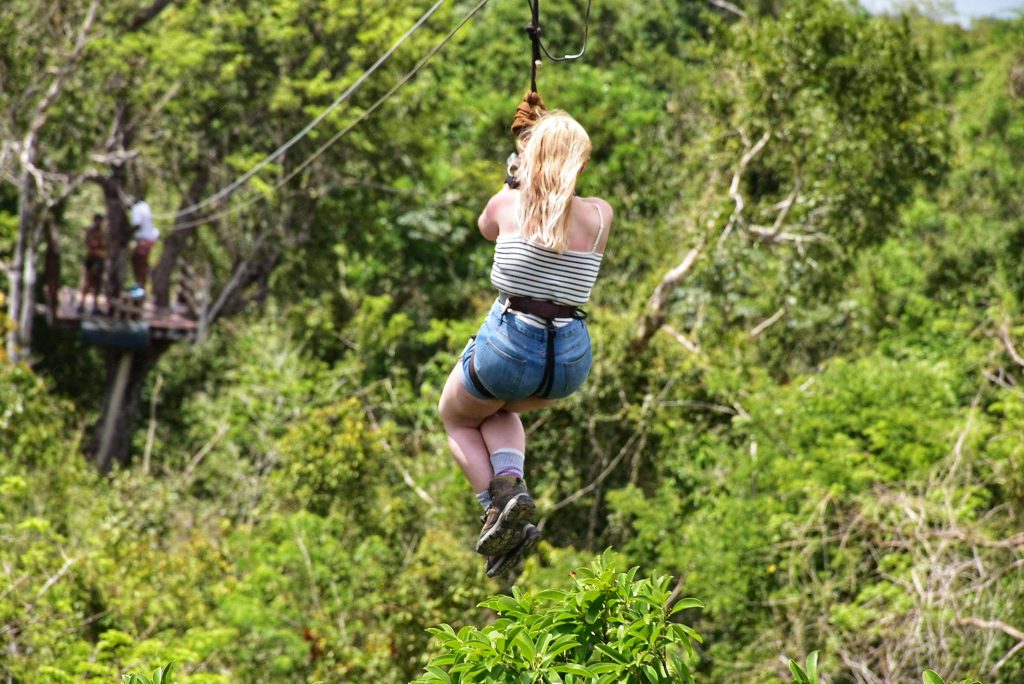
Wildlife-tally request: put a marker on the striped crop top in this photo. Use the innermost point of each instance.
(527, 270)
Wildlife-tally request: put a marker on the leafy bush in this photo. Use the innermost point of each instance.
(610, 627)
(932, 677)
(162, 675)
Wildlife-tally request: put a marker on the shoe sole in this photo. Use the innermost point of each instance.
(508, 529)
(495, 566)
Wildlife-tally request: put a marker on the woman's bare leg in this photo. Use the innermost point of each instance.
(462, 415)
(504, 430)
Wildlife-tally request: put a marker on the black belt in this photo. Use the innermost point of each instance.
(543, 309)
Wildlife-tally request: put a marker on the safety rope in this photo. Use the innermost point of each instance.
(244, 178)
(533, 30)
(337, 136)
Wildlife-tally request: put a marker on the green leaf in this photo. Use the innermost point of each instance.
(683, 604)
(526, 646)
(551, 595)
(440, 674)
(561, 645)
(932, 677)
(575, 669)
(812, 667)
(618, 658)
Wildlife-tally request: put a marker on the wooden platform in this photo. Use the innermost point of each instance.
(175, 323)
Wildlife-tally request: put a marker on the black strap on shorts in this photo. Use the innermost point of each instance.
(474, 378)
(548, 380)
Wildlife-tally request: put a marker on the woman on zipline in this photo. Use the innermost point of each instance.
(533, 347)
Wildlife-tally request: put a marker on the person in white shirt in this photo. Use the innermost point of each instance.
(145, 237)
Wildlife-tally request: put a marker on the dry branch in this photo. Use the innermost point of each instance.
(657, 307)
(767, 323)
(1002, 627)
(728, 7)
(734, 187)
(992, 624)
(682, 339)
(68, 562)
(1004, 335)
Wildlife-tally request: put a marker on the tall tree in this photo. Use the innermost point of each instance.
(58, 38)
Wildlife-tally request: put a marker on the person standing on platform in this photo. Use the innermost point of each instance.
(95, 260)
(145, 237)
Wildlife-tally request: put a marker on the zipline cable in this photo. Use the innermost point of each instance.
(337, 136)
(244, 178)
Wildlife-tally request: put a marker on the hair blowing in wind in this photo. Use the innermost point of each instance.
(553, 157)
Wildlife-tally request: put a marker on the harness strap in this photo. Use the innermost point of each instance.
(475, 379)
(548, 380)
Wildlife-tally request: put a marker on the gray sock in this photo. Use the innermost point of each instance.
(484, 498)
(508, 462)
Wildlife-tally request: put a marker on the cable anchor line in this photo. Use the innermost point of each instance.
(341, 133)
(244, 178)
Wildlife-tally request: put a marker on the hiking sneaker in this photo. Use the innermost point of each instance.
(511, 508)
(531, 535)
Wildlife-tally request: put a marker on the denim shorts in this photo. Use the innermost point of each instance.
(511, 357)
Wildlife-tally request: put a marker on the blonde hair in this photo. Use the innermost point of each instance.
(552, 158)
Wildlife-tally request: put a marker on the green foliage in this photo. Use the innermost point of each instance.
(848, 477)
(807, 674)
(932, 677)
(162, 675)
(34, 428)
(610, 627)
(332, 457)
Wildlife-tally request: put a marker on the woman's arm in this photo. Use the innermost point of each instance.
(488, 221)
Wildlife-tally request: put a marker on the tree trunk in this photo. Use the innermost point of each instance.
(119, 443)
(51, 269)
(16, 271)
(119, 232)
(28, 292)
(174, 244)
(22, 293)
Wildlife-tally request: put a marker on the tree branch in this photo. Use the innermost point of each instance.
(1004, 335)
(734, 186)
(41, 113)
(146, 15)
(728, 7)
(767, 323)
(1002, 627)
(657, 306)
(650, 404)
(785, 207)
(68, 562)
(682, 339)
